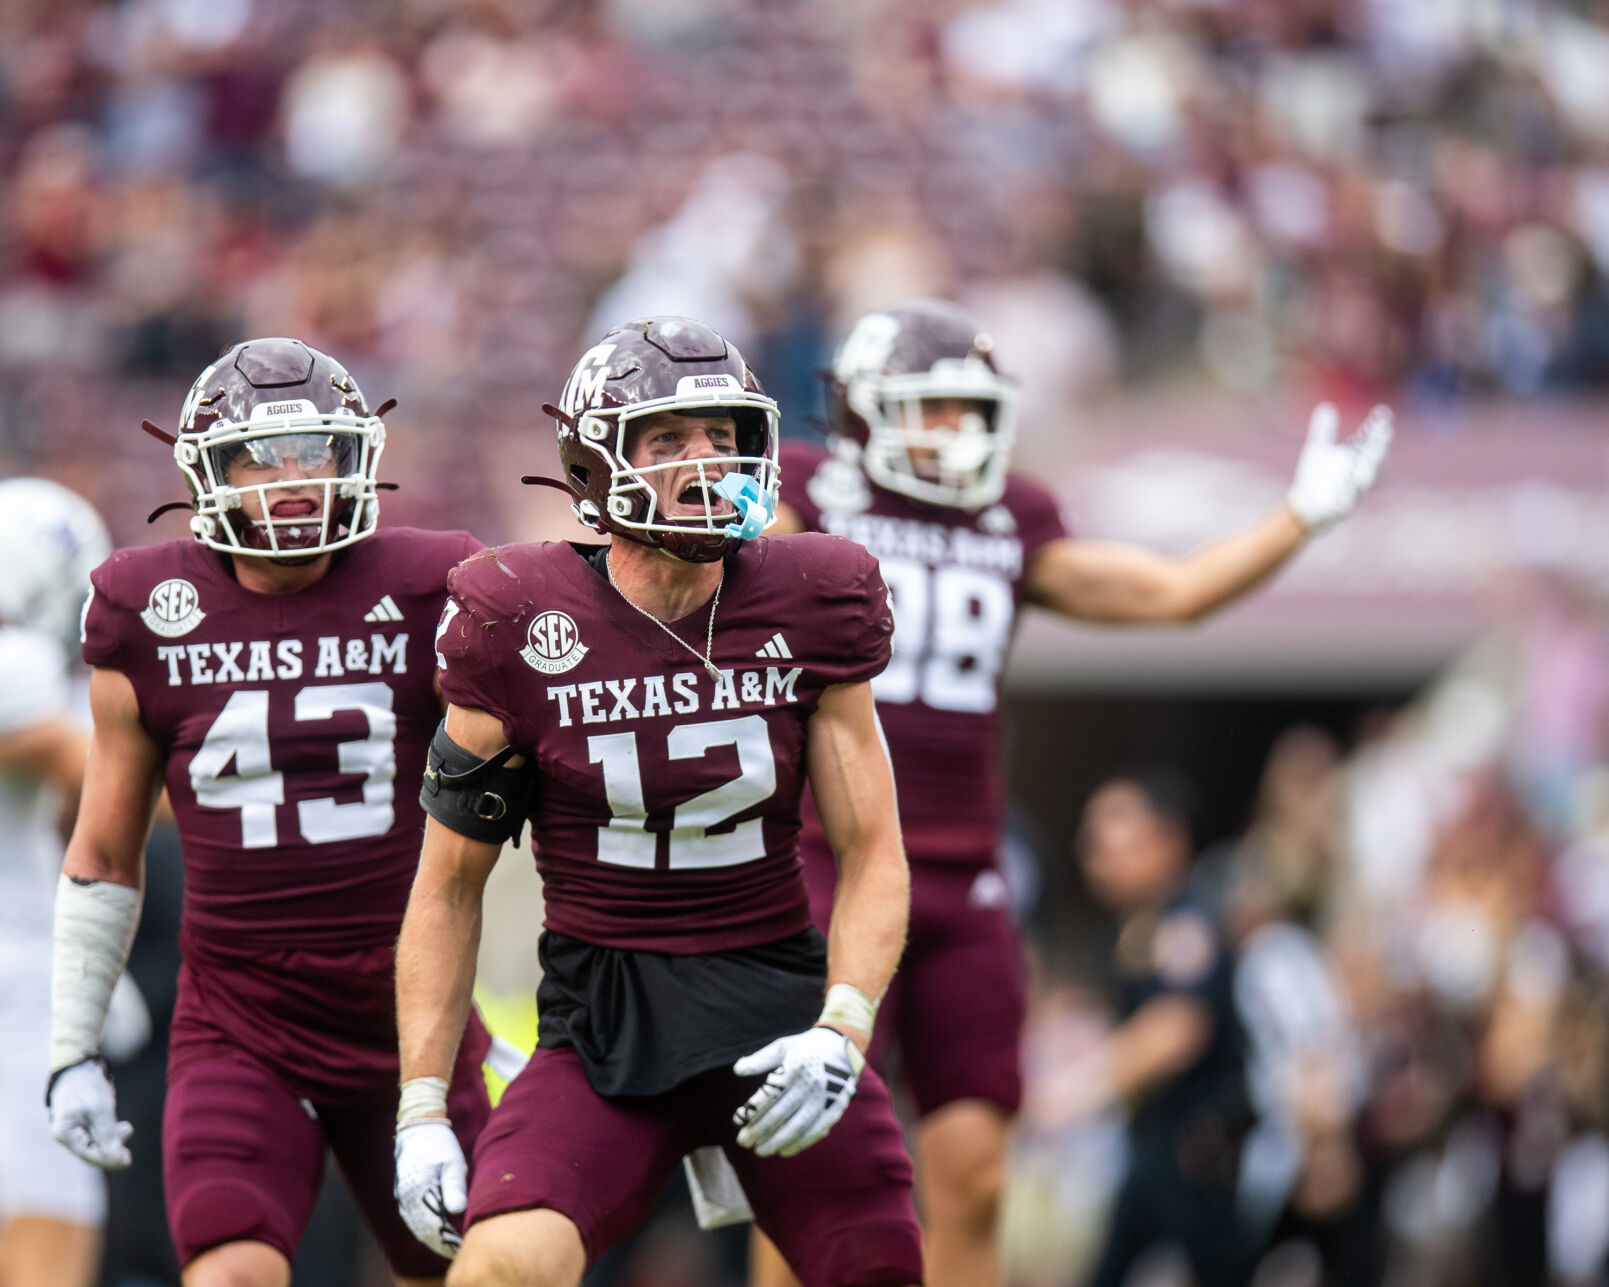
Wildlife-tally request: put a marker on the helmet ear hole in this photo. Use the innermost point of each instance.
(579, 476)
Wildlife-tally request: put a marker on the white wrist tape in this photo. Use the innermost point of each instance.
(94, 929)
(422, 1098)
(848, 1005)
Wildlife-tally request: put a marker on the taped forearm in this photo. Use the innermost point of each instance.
(94, 930)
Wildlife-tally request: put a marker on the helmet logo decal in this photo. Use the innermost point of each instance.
(552, 643)
(174, 608)
(585, 388)
(690, 386)
(868, 346)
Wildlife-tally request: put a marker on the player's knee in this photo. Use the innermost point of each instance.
(970, 1194)
(503, 1267)
(477, 1268)
(963, 1152)
(238, 1263)
(537, 1248)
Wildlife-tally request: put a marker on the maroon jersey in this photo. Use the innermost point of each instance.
(957, 579)
(666, 808)
(293, 727)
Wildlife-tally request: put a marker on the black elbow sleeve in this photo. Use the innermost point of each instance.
(482, 799)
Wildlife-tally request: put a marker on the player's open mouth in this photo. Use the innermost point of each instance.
(294, 508)
(700, 498)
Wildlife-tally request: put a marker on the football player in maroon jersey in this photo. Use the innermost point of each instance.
(655, 706)
(276, 674)
(923, 425)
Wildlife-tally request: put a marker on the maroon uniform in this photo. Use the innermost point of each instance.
(957, 579)
(666, 805)
(294, 731)
(665, 811)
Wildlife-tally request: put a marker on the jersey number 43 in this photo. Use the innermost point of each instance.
(257, 789)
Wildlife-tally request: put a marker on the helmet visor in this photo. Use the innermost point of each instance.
(290, 493)
(309, 454)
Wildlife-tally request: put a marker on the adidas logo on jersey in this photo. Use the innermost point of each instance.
(385, 610)
(776, 647)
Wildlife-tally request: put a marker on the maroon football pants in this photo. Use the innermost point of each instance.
(840, 1212)
(243, 1156)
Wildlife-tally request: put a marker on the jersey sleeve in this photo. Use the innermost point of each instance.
(35, 687)
(1038, 515)
(105, 619)
(853, 632)
(467, 638)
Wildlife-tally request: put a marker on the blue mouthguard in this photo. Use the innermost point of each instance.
(754, 505)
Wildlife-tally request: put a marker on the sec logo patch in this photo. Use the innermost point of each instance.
(552, 643)
(173, 609)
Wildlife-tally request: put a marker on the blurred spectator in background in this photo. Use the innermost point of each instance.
(1177, 1054)
(1301, 1182)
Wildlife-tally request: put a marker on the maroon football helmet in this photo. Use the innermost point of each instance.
(662, 364)
(263, 406)
(890, 364)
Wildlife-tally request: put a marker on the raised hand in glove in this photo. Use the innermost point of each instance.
(1332, 477)
(812, 1077)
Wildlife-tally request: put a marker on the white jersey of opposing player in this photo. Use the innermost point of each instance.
(35, 689)
(37, 1175)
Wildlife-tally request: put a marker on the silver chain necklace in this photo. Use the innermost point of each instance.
(709, 637)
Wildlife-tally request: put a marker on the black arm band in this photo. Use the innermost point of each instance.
(482, 799)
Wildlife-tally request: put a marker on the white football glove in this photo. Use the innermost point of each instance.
(432, 1183)
(1331, 476)
(83, 1115)
(813, 1077)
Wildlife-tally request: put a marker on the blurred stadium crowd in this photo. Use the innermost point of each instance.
(1356, 194)
(1363, 198)
(1421, 927)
